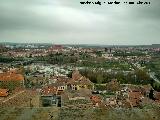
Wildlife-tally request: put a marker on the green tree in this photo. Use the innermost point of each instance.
(99, 78)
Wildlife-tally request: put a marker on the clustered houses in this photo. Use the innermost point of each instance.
(55, 84)
(55, 49)
(80, 88)
(11, 80)
(131, 96)
(75, 83)
(27, 53)
(53, 91)
(78, 81)
(127, 96)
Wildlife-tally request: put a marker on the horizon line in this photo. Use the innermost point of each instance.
(80, 44)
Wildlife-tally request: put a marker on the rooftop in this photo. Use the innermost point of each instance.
(11, 76)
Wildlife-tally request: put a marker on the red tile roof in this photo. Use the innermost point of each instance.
(49, 90)
(95, 99)
(77, 79)
(135, 95)
(76, 75)
(11, 76)
(3, 92)
(135, 98)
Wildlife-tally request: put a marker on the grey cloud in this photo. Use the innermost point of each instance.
(66, 21)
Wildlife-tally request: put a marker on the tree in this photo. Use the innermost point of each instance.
(156, 86)
(113, 85)
(142, 75)
(99, 78)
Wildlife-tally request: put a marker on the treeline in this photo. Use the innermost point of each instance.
(10, 59)
(100, 77)
(57, 59)
(104, 64)
(6, 59)
(125, 54)
(52, 59)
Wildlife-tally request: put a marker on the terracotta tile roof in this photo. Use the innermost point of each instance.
(8, 76)
(134, 102)
(95, 99)
(77, 79)
(135, 95)
(49, 90)
(76, 75)
(3, 92)
(135, 98)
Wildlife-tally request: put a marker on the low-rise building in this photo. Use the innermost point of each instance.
(135, 98)
(78, 81)
(49, 96)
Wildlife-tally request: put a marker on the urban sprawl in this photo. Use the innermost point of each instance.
(62, 78)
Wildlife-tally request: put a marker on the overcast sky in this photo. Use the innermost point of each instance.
(69, 22)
